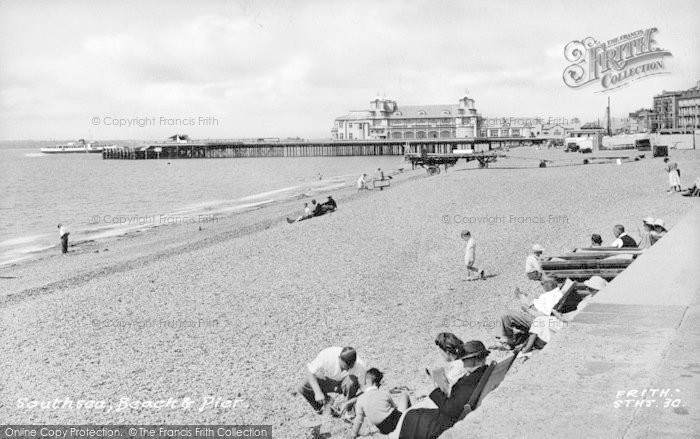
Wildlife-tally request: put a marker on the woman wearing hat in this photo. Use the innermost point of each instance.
(425, 423)
(645, 240)
(658, 232)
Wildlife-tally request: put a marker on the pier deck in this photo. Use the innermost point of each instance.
(236, 149)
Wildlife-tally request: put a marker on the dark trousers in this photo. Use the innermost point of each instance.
(64, 243)
(515, 319)
(348, 387)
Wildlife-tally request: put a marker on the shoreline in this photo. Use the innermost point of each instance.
(167, 240)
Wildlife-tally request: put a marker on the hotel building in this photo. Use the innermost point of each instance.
(689, 108)
(665, 110)
(675, 110)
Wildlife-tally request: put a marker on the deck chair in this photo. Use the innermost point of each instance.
(496, 378)
(567, 290)
(477, 392)
(491, 379)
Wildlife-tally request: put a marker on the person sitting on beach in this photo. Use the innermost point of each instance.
(658, 232)
(543, 326)
(335, 369)
(470, 257)
(306, 215)
(429, 423)
(451, 349)
(520, 321)
(596, 240)
(647, 227)
(693, 191)
(330, 205)
(362, 183)
(622, 238)
(317, 209)
(533, 267)
(378, 406)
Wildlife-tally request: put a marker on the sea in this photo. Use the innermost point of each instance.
(99, 199)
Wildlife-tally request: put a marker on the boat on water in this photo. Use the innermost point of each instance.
(81, 146)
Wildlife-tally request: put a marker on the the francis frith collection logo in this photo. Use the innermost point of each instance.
(616, 62)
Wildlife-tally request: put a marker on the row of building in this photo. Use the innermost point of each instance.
(672, 110)
(385, 119)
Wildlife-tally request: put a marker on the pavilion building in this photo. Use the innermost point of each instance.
(385, 119)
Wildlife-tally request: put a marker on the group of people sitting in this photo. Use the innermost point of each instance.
(339, 370)
(316, 209)
(543, 310)
(543, 307)
(652, 231)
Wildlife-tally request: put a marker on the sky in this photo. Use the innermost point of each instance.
(242, 69)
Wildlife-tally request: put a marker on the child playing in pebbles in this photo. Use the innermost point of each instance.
(470, 257)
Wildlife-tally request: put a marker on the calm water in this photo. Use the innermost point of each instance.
(98, 198)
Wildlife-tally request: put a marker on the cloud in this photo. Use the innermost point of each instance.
(301, 64)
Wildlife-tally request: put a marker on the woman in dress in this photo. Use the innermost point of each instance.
(429, 423)
(674, 176)
(451, 350)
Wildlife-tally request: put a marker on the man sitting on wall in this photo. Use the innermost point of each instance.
(544, 326)
(533, 266)
(622, 238)
(520, 321)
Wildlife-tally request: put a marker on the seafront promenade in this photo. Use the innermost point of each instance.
(628, 365)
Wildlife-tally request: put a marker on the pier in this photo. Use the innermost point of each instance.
(326, 148)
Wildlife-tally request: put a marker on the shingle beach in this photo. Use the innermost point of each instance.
(253, 305)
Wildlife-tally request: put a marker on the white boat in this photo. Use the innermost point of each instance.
(81, 146)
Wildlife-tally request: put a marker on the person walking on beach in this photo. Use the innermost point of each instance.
(674, 176)
(470, 257)
(63, 235)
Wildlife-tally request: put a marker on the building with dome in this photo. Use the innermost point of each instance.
(385, 119)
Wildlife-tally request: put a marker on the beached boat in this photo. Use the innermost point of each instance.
(81, 146)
